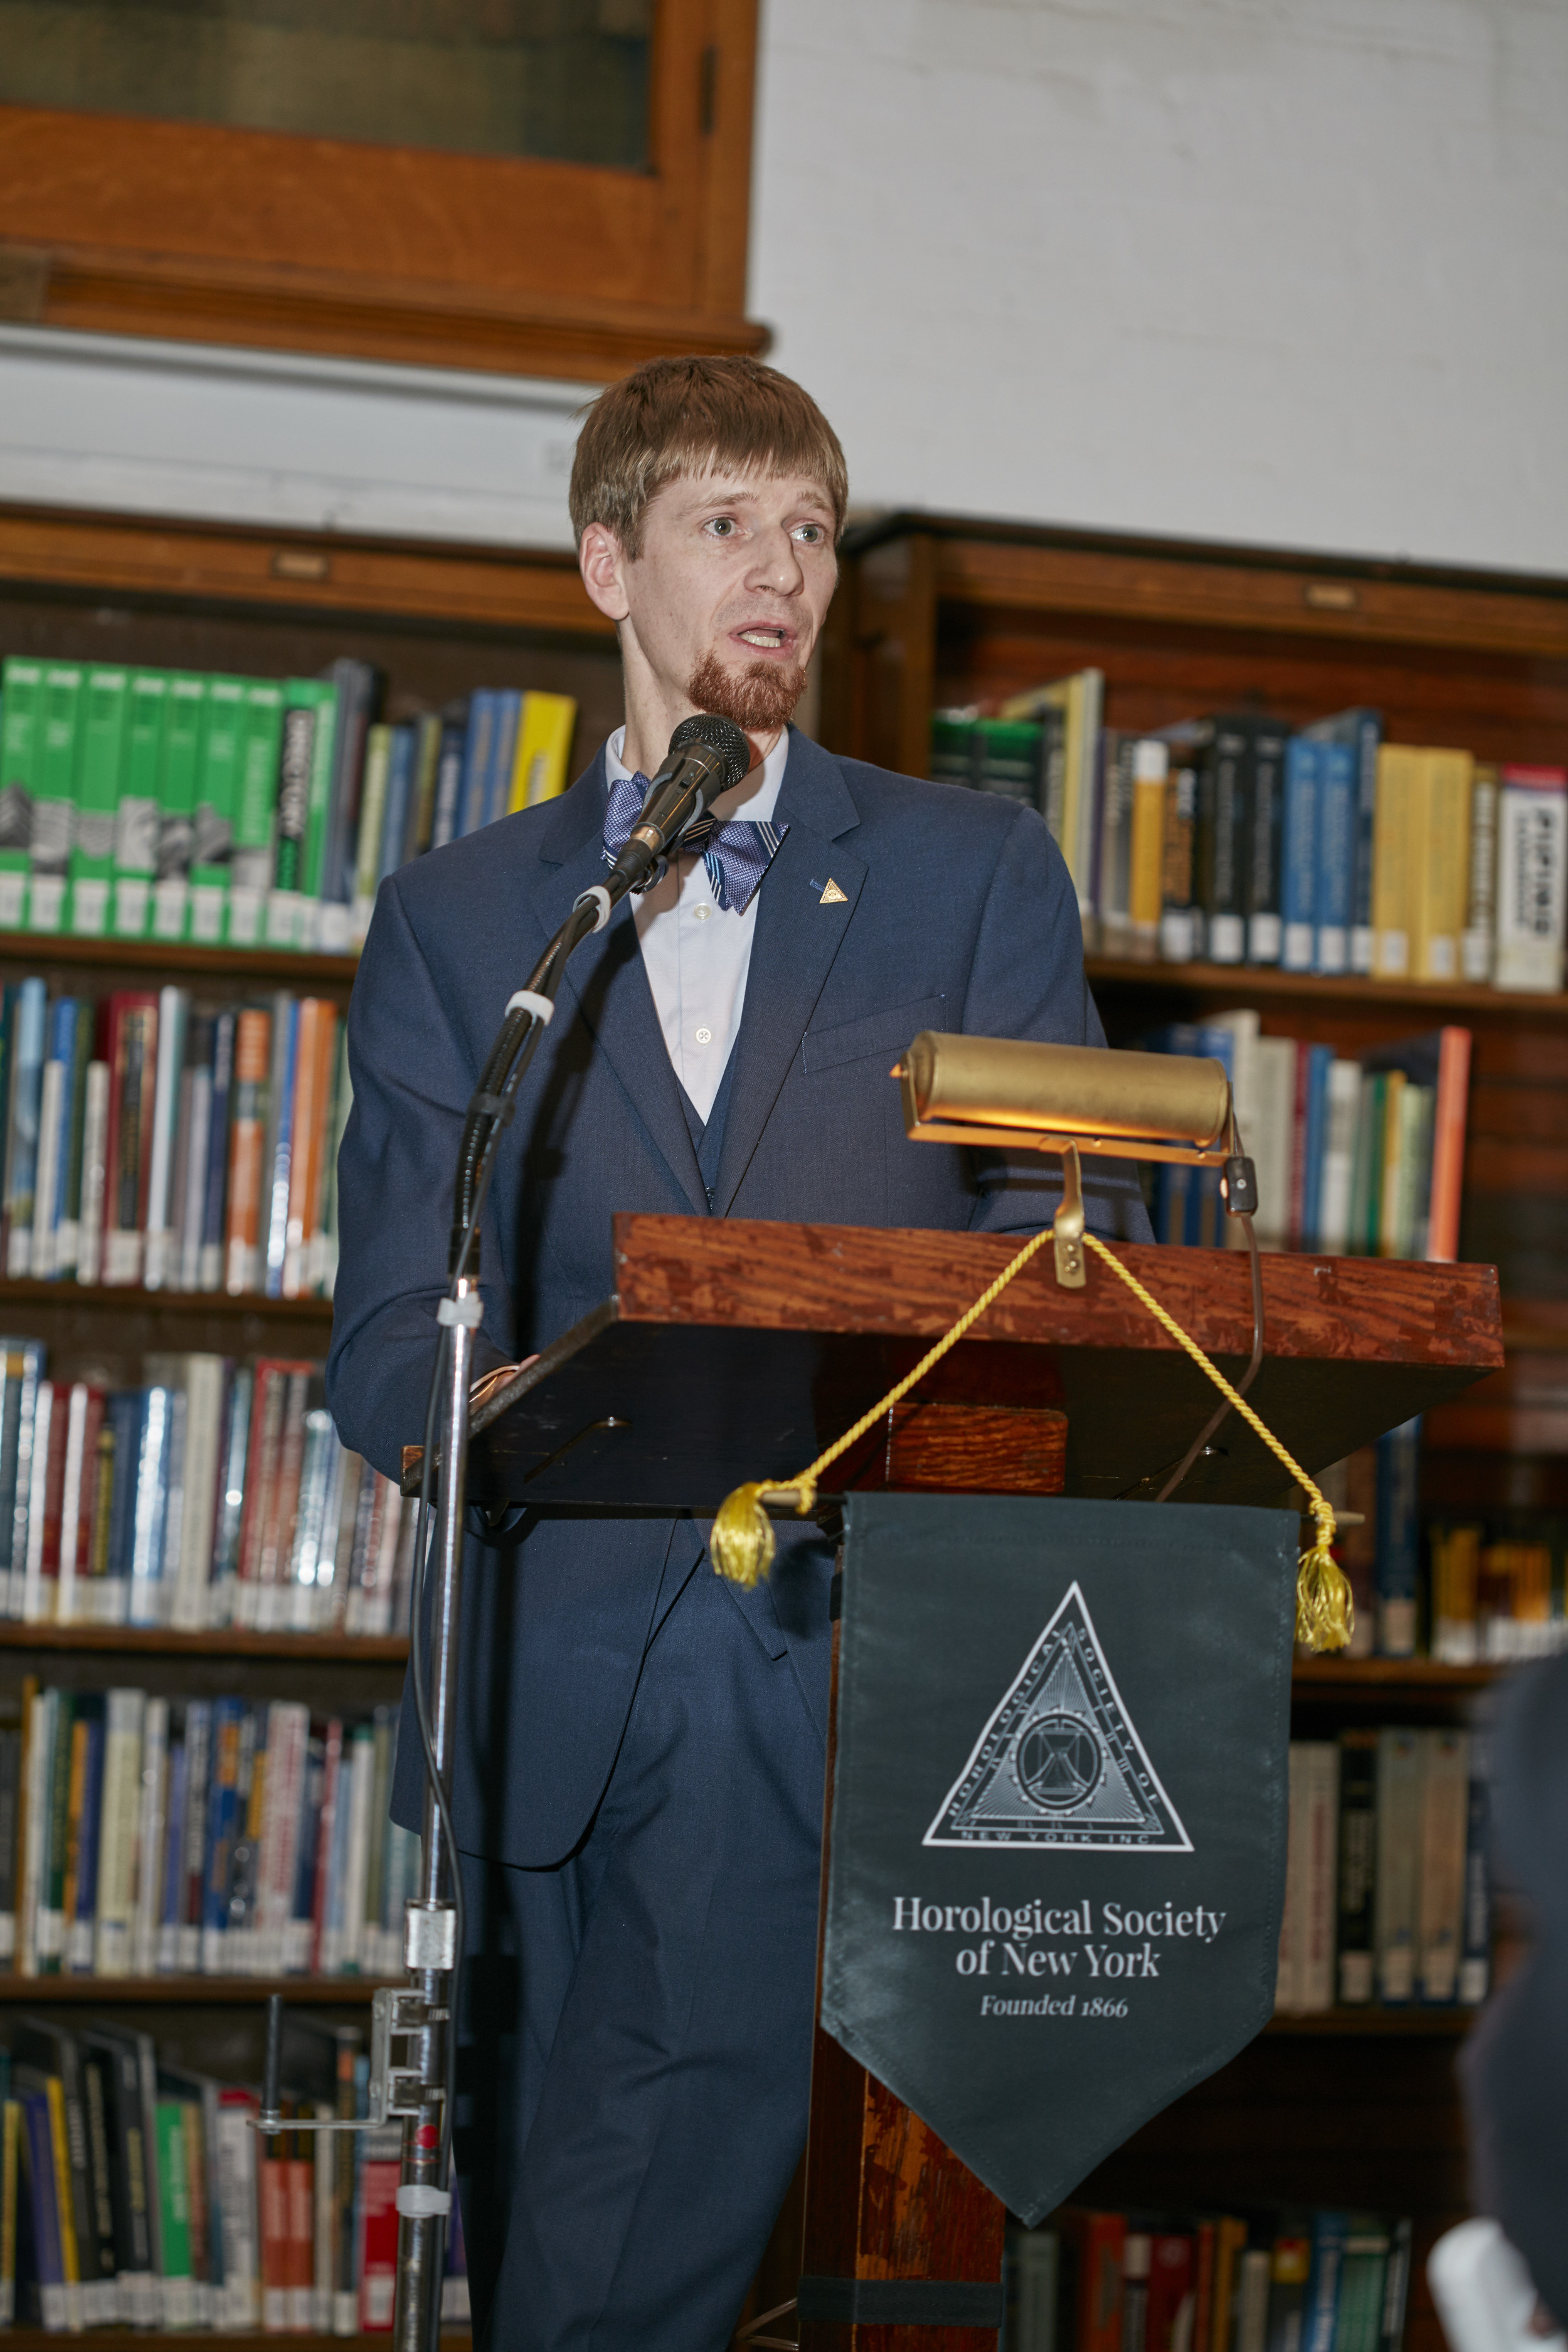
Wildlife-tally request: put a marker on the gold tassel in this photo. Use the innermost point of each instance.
(1325, 1611)
(741, 1542)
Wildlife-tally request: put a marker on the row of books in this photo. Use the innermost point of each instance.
(1241, 839)
(1387, 1894)
(216, 1494)
(1355, 1156)
(149, 1143)
(136, 2193)
(177, 805)
(142, 1836)
(1471, 1593)
(1101, 2281)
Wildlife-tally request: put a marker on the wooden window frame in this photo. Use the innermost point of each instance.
(125, 226)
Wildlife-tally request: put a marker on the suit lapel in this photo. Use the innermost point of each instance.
(609, 980)
(796, 941)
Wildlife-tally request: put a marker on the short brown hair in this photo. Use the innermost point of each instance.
(697, 416)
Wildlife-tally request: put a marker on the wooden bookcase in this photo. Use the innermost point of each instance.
(439, 621)
(1359, 2107)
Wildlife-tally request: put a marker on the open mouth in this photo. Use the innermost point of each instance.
(764, 637)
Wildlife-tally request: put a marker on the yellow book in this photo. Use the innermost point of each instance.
(10, 2173)
(1439, 862)
(542, 769)
(59, 2148)
(1145, 890)
(1394, 1135)
(1080, 699)
(1391, 861)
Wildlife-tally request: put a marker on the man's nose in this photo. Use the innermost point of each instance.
(776, 563)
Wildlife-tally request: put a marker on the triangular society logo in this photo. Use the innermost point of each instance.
(1060, 1763)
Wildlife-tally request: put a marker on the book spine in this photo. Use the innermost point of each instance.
(94, 1172)
(1298, 878)
(1177, 940)
(252, 1063)
(256, 815)
(1316, 1975)
(1336, 860)
(1399, 1764)
(1265, 834)
(173, 1010)
(21, 728)
(218, 794)
(135, 859)
(1357, 1867)
(1394, 859)
(53, 796)
(1398, 1538)
(1532, 842)
(184, 727)
(372, 814)
(1365, 738)
(1475, 1957)
(105, 713)
(1478, 940)
(1444, 1812)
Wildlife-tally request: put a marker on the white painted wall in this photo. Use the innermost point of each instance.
(1289, 271)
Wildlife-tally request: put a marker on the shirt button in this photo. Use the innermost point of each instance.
(705, 1036)
(702, 913)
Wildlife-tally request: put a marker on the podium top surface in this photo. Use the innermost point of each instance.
(735, 1349)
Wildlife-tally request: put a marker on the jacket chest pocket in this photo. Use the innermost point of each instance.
(875, 1032)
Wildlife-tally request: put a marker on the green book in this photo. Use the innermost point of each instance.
(177, 2288)
(58, 748)
(217, 800)
(179, 765)
(21, 701)
(136, 816)
(106, 710)
(254, 815)
(304, 797)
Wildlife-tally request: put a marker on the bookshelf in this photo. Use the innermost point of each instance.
(1358, 2107)
(439, 622)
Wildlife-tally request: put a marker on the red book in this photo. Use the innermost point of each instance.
(272, 2199)
(1169, 2328)
(1095, 2243)
(381, 2167)
(1449, 1120)
(301, 2186)
(131, 1050)
(54, 1496)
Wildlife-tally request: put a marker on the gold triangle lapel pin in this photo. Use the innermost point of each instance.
(833, 896)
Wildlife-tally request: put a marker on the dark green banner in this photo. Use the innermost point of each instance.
(1060, 1814)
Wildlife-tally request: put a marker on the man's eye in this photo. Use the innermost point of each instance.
(722, 526)
(812, 533)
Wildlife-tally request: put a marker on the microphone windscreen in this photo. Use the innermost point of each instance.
(720, 736)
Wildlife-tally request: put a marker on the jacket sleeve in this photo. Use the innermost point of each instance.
(412, 1073)
(1027, 980)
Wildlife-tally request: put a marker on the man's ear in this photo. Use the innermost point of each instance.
(602, 561)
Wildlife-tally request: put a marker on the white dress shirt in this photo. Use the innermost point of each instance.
(697, 953)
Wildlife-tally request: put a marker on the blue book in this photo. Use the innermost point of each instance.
(150, 1506)
(223, 1825)
(211, 1274)
(79, 1926)
(173, 1872)
(1320, 2312)
(1314, 1143)
(1298, 874)
(1397, 1572)
(476, 778)
(123, 1413)
(503, 753)
(1336, 884)
(449, 780)
(282, 1157)
(1361, 730)
(399, 791)
(22, 1140)
(46, 2267)
(1475, 1933)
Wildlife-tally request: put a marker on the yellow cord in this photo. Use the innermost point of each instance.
(741, 1542)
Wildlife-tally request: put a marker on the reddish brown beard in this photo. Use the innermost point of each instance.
(758, 698)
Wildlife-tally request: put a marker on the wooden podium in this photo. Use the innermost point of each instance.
(735, 1350)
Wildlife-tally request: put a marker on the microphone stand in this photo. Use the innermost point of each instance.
(422, 2019)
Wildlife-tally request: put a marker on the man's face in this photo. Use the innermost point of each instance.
(724, 604)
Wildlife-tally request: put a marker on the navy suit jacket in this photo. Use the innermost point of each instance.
(957, 913)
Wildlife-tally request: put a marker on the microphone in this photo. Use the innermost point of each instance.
(707, 754)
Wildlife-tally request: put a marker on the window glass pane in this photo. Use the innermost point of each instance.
(564, 79)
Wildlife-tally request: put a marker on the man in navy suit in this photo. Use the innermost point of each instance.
(637, 1782)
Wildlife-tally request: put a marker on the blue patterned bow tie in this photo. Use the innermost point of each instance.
(737, 851)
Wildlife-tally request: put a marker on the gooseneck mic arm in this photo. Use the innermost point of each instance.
(706, 756)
